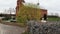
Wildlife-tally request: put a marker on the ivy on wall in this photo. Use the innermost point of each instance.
(27, 12)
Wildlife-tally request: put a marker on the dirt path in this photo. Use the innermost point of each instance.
(7, 29)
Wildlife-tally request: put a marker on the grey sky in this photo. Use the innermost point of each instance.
(5, 4)
(52, 6)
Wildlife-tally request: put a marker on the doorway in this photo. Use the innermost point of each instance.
(45, 16)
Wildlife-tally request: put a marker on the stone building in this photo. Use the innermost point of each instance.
(43, 12)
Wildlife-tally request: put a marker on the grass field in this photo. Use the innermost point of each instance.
(53, 19)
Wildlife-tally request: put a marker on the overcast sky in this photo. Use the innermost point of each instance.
(52, 6)
(5, 4)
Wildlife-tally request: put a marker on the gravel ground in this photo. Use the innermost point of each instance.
(51, 27)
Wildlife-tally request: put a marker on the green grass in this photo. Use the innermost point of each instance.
(53, 19)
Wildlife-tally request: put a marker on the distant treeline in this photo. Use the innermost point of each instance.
(4, 15)
(53, 16)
